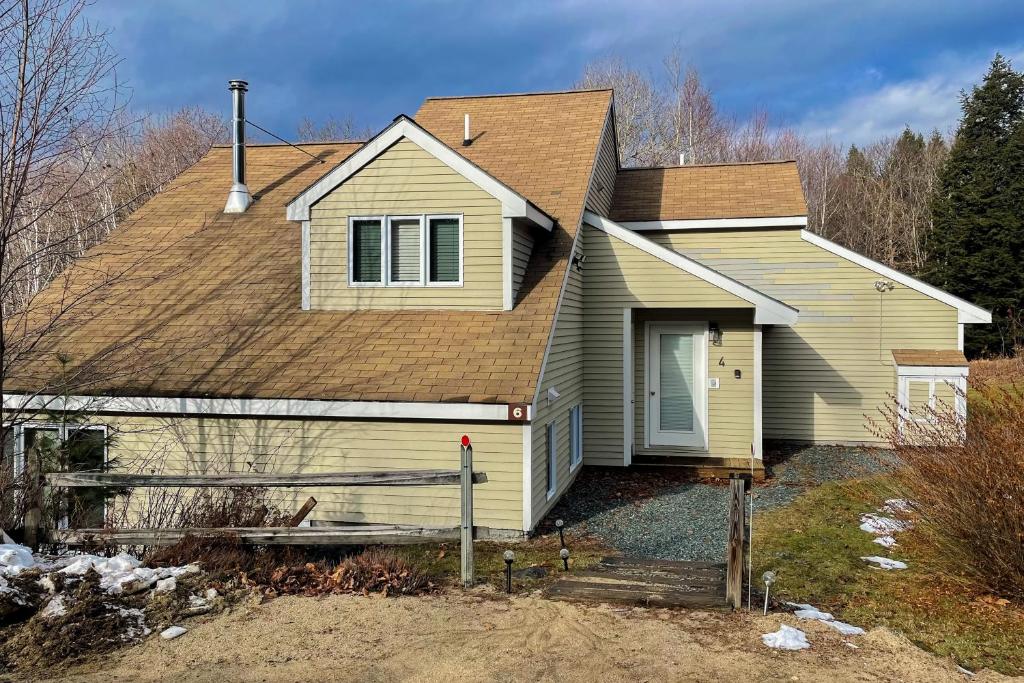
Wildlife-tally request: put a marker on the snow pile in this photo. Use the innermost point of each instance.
(14, 559)
(879, 525)
(54, 608)
(895, 506)
(123, 573)
(885, 562)
(886, 541)
(136, 630)
(809, 612)
(786, 638)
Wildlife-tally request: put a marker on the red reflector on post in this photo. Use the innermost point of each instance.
(465, 439)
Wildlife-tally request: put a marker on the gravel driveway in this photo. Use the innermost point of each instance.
(660, 513)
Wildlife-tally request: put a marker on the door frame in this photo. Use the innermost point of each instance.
(653, 436)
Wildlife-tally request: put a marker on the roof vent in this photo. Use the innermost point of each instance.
(239, 198)
(466, 140)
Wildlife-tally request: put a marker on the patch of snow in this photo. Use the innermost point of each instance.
(54, 608)
(48, 585)
(852, 646)
(885, 562)
(211, 594)
(166, 585)
(786, 638)
(198, 601)
(810, 613)
(173, 632)
(886, 541)
(965, 672)
(139, 629)
(879, 525)
(895, 506)
(15, 558)
(846, 629)
(123, 573)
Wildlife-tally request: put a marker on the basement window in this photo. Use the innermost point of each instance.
(405, 251)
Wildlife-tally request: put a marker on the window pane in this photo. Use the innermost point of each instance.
(405, 250)
(676, 379)
(42, 446)
(85, 454)
(444, 249)
(8, 452)
(366, 246)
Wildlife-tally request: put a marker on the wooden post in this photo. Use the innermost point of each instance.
(303, 511)
(734, 551)
(466, 537)
(34, 502)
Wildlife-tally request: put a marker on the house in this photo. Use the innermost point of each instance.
(485, 267)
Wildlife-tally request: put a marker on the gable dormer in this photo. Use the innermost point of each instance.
(408, 223)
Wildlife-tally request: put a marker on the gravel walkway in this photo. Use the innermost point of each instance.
(659, 513)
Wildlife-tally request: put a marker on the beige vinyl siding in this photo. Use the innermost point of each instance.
(208, 445)
(730, 424)
(603, 186)
(564, 372)
(522, 247)
(832, 372)
(406, 180)
(619, 276)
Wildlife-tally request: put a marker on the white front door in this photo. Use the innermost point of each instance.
(676, 384)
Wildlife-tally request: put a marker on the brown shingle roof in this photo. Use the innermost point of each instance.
(927, 358)
(754, 190)
(199, 303)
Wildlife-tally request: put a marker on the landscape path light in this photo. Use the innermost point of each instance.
(564, 554)
(510, 557)
(560, 525)
(769, 578)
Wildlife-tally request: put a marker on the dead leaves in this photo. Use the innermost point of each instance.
(370, 572)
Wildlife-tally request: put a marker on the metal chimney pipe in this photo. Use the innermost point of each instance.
(466, 140)
(239, 198)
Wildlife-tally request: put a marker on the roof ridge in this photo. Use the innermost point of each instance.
(519, 94)
(222, 145)
(709, 165)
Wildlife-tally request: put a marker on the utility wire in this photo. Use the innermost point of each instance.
(280, 139)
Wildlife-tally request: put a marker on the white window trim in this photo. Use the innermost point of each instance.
(385, 247)
(955, 376)
(575, 437)
(700, 380)
(426, 249)
(552, 457)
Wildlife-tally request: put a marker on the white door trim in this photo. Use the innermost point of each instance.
(652, 435)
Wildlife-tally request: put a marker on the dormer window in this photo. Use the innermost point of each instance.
(405, 251)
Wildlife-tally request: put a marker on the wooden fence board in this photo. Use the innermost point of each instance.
(370, 534)
(389, 478)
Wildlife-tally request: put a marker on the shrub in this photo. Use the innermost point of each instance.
(966, 484)
(375, 570)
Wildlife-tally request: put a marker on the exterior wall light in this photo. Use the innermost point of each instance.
(715, 333)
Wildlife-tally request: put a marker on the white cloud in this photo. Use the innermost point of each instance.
(930, 102)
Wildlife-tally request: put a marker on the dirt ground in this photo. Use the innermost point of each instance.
(482, 637)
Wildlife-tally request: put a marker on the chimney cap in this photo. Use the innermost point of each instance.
(238, 84)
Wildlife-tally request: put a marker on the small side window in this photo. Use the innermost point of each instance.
(552, 443)
(575, 436)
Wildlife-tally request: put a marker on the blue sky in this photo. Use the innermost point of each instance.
(852, 69)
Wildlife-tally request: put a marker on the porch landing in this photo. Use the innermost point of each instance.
(645, 583)
(703, 467)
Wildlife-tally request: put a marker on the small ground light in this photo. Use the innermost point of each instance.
(564, 554)
(510, 557)
(768, 578)
(560, 525)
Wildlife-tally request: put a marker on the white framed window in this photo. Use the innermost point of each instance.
(83, 448)
(575, 436)
(552, 468)
(405, 250)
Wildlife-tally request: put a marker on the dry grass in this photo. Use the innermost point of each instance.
(967, 492)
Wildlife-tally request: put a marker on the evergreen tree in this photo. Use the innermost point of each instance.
(977, 240)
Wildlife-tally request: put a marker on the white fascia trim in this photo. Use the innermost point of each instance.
(506, 264)
(527, 478)
(514, 205)
(966, 311)
(758, 450)
(306, 288)
(709, 223)
(767, 311)
(932, 371)
(259, 407)
(627, 386)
